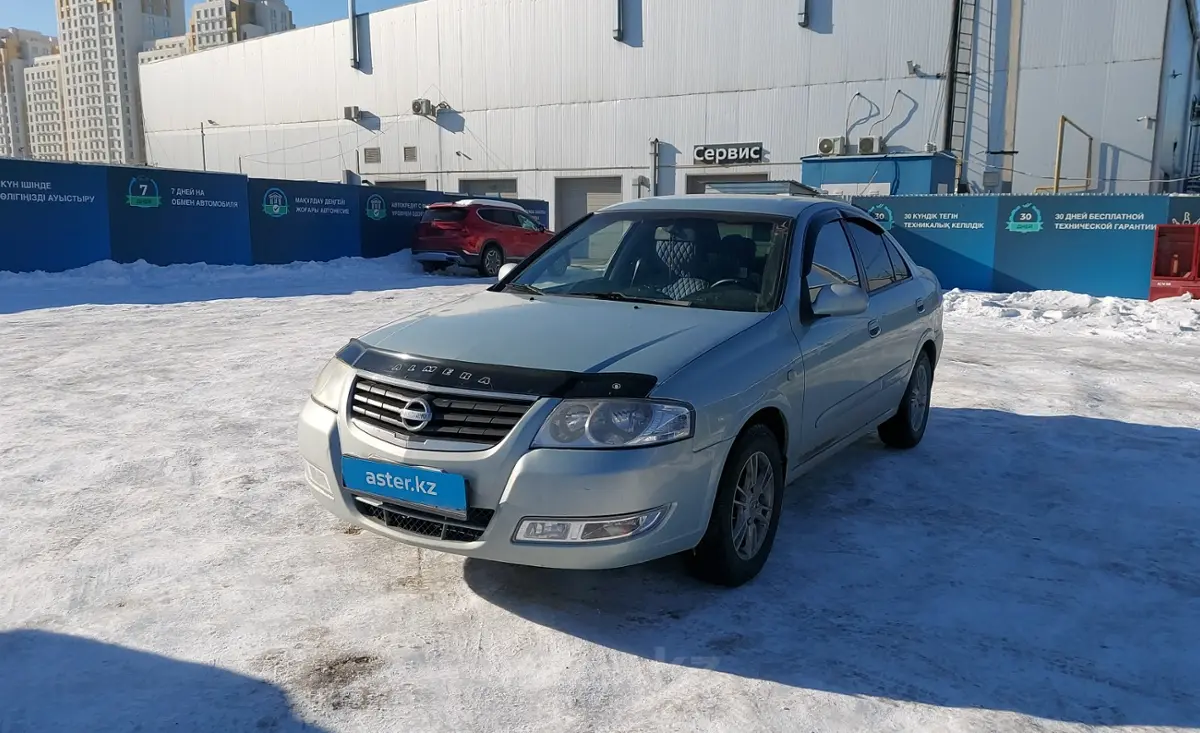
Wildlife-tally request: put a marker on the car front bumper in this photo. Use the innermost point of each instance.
(516, 483)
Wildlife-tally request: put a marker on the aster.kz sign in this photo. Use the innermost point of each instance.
(728, 153)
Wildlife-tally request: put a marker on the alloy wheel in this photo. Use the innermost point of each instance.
(918, 398)
(492, 262)
(753, 504)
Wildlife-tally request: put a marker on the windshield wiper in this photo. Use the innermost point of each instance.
(621, 297)
(523, 288)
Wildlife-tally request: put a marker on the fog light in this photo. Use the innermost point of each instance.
(598, 529)
(317, 479)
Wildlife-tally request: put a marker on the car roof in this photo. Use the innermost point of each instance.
(782, 205)
(497, 203)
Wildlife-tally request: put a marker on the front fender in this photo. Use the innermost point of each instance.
(731, 382)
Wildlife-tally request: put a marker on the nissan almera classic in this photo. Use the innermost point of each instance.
(645, 384)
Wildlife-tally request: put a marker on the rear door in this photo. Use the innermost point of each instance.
(838, 384)
(895, 311)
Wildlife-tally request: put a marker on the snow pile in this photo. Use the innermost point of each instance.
(108, 282)
(1055, 308)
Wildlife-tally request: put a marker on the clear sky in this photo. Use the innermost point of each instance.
(38, 15)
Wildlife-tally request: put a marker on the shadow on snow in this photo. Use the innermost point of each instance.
(1039, 565)
(55, 682)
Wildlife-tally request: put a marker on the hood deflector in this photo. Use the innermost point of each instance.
(492, 378)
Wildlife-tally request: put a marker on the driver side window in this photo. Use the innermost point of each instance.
(833, 261)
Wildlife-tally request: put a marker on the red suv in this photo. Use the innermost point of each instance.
(478, 233)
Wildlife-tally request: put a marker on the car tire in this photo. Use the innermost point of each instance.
(905, 429)
(724, 556)
(491, 259)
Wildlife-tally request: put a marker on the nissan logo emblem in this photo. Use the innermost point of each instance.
(416, 415)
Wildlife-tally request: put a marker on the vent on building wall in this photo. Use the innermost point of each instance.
(372, 155)
(410, 154)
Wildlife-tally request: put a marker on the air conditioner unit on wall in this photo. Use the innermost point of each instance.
(871, 145)
(832, 145)
(423, 107)
(352, 113)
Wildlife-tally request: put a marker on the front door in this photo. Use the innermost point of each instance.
(531, 234)
(838, 388)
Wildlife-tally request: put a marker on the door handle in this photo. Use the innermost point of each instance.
(873, 328)
(921, 305)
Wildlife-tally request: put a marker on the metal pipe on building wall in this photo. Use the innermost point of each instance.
(654, 158)
(353, 34)
(951, 74)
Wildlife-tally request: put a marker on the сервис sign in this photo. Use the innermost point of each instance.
(728, 153)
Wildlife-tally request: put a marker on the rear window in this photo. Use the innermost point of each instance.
(444, 214)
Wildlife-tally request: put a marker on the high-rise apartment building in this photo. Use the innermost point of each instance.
(101, 40)
(221, 22)
(165, 48)
(216, 23)
(44, 100)
(18, 49)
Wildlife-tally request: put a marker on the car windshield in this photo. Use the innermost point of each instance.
(722, 261)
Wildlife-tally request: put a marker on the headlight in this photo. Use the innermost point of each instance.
(331, 383)
(614, 424)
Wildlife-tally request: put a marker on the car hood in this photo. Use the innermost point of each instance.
(560, 333)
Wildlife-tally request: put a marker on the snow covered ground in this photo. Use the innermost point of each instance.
(1033, 565)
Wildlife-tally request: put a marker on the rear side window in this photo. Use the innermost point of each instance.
(873, 251)
(444, 214)
(899, 266)
(503, 217)
(833, 261)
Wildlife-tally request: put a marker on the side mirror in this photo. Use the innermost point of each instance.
(505, 269)
(841, 300)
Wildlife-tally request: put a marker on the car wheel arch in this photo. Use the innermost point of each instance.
(930, 350)
(774, 420)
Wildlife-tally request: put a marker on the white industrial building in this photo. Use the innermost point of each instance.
(101, 40)
(18, 49)
(561, 99)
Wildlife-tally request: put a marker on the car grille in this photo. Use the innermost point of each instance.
(415, 521)
(472, 419)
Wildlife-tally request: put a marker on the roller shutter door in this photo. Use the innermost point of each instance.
(577, 197)
(505, 188)
(699, 183)
(408, 185)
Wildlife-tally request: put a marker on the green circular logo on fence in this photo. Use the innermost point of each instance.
(143, 193)
(275, 203)
(1024, 219)
(882, 214)
(376, 207)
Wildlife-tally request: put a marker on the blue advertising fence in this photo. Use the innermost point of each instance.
(59, 216)
(170, 217)
(1101, 245)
